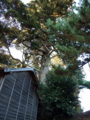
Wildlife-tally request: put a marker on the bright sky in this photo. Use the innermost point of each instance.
(27, 1)
(85, 93)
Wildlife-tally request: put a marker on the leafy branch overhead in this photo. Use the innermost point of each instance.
(31, 23)
(42, 27)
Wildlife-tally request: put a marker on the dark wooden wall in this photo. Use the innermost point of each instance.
(18, 98)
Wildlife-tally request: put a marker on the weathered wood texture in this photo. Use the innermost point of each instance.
(18, 98)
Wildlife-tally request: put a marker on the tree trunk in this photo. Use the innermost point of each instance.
(44, 69)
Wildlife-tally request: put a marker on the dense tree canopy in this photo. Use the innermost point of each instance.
(29, 29)
(72, 34)
(40, 29)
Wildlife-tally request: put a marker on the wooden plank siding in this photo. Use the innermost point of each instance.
(18, 98)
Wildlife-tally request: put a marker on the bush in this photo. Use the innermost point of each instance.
(59, 94)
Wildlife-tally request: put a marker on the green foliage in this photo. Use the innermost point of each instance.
(35, 45)
(71, 34)
(4, 59)
(59, 94)
(48, 24)
(84, 84)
